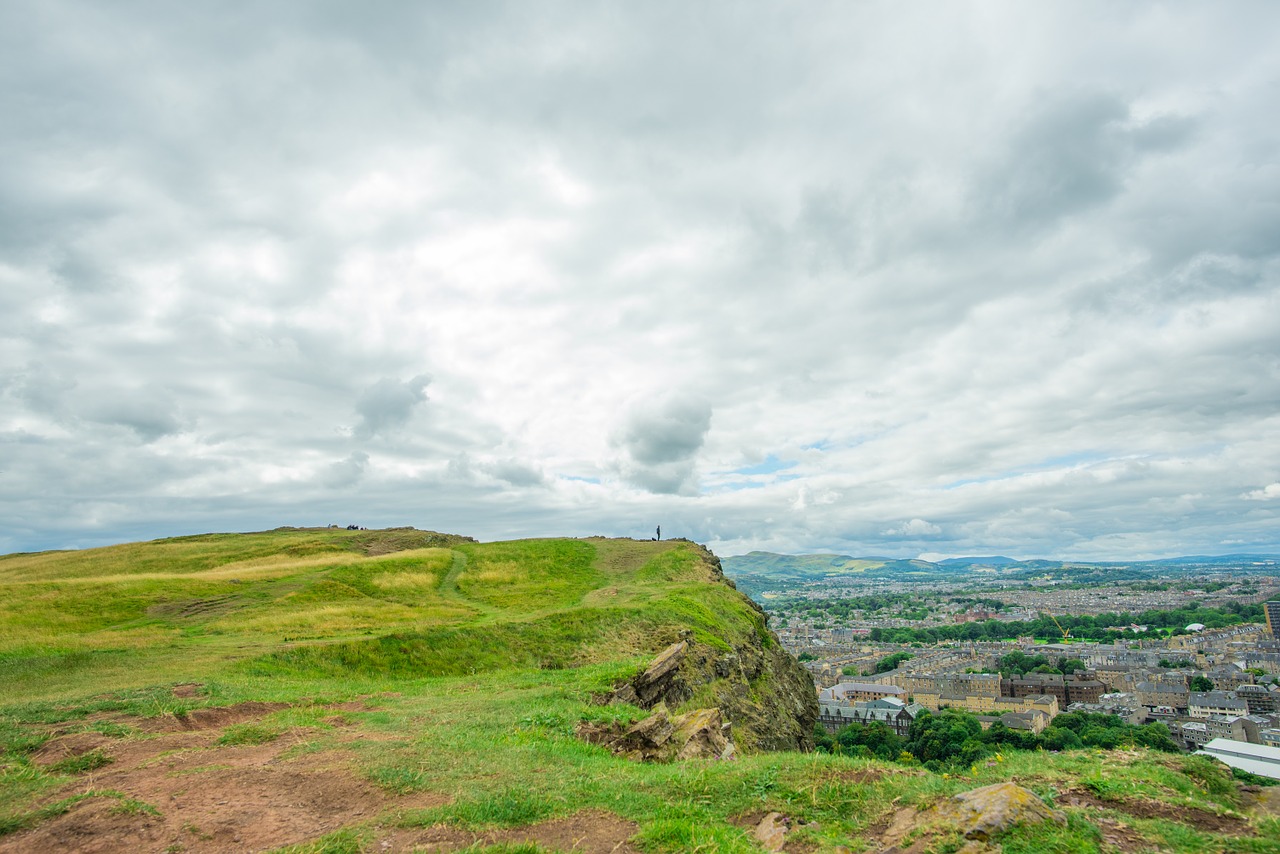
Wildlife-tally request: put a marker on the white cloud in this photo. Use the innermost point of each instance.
(1267, 493)
(913, 528)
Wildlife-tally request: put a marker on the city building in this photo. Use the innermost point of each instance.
(889, 711)
(1067, 690)
(1258, 759)
(1272, 611)
(1205, 704)
(1259, 699)
(858, 692)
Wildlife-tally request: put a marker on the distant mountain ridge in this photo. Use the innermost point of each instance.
(758, 571)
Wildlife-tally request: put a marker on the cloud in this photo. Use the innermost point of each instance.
(1072, 152)
(914, 528)
(346, 473)
(660, 442)
(514, 472)
(1017, 277)
(387, 404)
(1267, 493)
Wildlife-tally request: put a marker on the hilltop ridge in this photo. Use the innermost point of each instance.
(321, 690)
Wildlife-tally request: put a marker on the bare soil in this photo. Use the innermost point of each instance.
(1268, 801)
(1198, 818)
(589, 832)
(1122, 838)
(864, 777)
(181, 791)
(203, 719)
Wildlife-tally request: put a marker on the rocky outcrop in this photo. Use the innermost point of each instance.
(759, 688)
(699, 734)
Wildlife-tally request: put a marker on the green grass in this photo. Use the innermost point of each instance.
(475, 663)
(249, 734)
(87, 761)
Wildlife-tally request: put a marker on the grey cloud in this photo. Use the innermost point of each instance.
(387, 404)
(661, 439)
(515, 473)
(1072, 153)
(346, 473)
(149, 412)
(150, 416)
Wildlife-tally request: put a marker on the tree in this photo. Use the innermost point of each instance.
(889, 662)
(821, 738)
(1156, 736)
(942, 737)
(1200, 682)
(874, 738)
(1059, 738)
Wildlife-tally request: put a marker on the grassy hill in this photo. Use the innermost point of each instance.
(345, 691)
(756, 572)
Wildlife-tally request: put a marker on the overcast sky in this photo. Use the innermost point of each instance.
(874, 278)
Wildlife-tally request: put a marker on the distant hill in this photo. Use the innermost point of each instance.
(977, 561)
(758, 571)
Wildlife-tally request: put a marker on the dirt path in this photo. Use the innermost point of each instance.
(182, 791)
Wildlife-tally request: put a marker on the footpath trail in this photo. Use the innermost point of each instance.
(449, 590)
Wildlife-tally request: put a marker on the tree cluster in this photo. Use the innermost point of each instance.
(1104, 628)
(953, 739)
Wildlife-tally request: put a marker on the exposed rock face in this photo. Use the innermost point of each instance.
(699, 734)
(765, 694)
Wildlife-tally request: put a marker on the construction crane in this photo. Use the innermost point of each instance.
(1066, 633)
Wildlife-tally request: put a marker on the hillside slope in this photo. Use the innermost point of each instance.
(406, 690)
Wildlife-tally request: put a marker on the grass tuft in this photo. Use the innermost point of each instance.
(250, 733)
(88, 761)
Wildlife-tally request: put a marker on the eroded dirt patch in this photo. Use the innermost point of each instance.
(589, 832)
(1198, 818)
(182, 790)
(212, 718)
(69, 746)
(863, 777)
(1268, 801)
(1119, 837)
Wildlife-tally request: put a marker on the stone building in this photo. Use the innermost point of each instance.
(889, 711)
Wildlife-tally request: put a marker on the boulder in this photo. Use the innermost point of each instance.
(699, 734)
(703, 734)
(991, 809)
(978, 814)
(771, 832)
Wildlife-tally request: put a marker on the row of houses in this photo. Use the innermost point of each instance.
(862, 702)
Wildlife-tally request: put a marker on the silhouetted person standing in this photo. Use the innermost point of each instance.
(659, 532)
